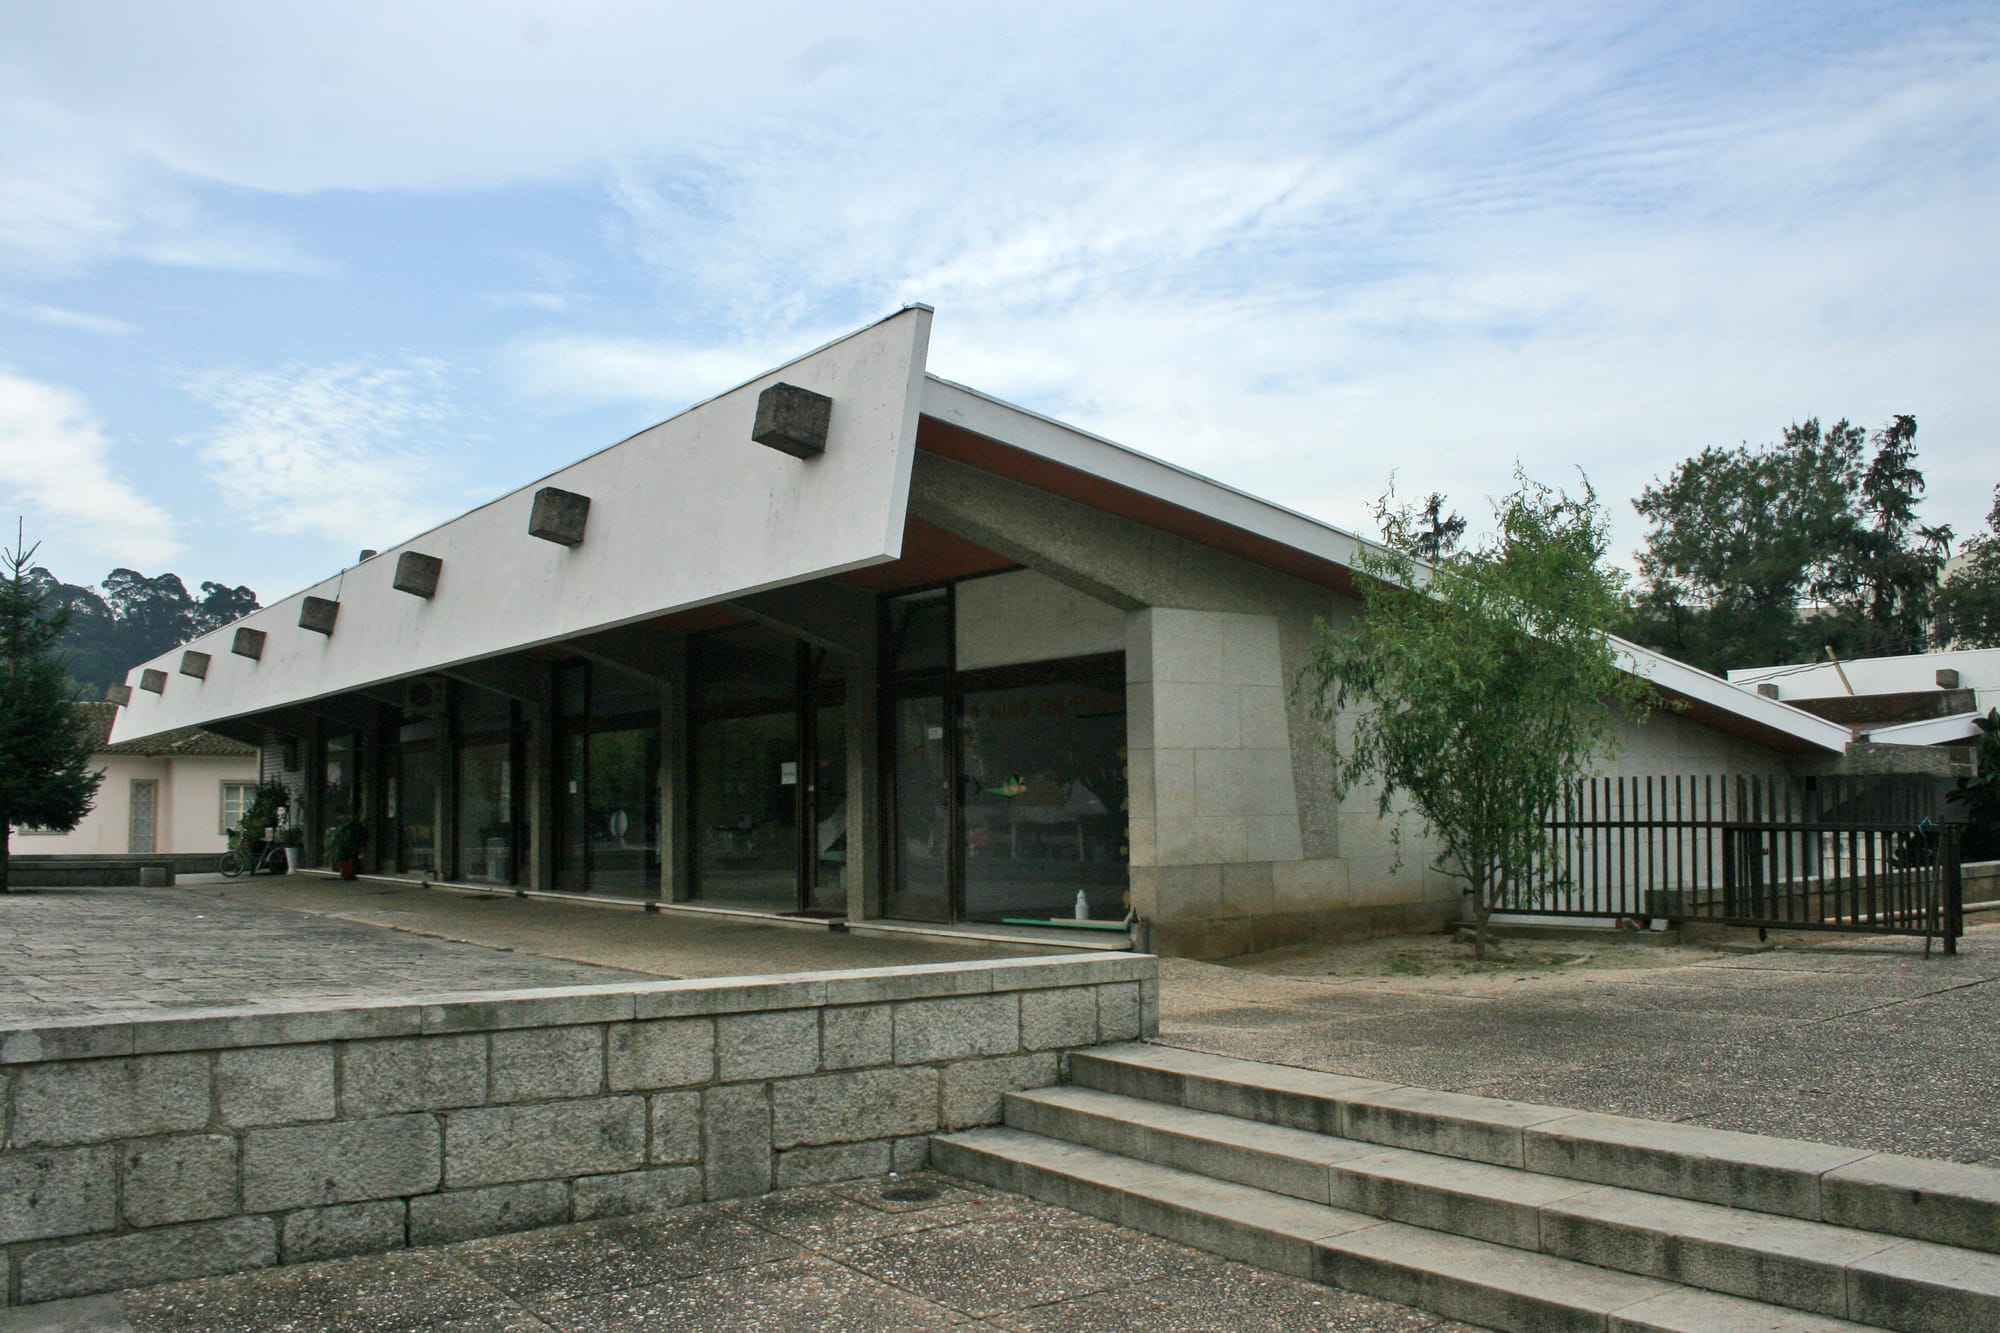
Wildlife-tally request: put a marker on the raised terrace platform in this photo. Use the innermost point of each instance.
(167, 1146)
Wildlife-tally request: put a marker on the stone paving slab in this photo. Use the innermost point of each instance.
(863, 1255)
(1861, 1042)
(112, 952)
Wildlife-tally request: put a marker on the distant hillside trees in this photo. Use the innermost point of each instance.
(131, 619)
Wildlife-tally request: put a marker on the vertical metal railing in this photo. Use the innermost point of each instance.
(1823, 853)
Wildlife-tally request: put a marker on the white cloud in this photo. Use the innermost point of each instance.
(57, 470)
(72, 195)
(347, 453)
(58, 317)
(581, 370)
(548, 302)
(1293, 246)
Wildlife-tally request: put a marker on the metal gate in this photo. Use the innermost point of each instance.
(1866, 855)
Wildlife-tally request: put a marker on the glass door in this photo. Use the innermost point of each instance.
(826, 795)
(921, 819)
(746, 802)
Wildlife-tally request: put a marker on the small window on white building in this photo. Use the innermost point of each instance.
(236, 798)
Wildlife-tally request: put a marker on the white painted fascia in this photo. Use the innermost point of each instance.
(1911, 673)
(1695, 684)
(1096, 456)
(1930, 731)
(685, 513)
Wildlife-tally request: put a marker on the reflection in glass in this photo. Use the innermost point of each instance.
(416, 795)
(340, 795)
(920, 821)
(1042, 778)
(746, 777)
(624, 812)
(573, 814)
(829, 804)
(486, 812)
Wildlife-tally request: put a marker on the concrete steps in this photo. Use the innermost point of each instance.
(1501, 1213)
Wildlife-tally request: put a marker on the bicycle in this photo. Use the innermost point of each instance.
(270, 856)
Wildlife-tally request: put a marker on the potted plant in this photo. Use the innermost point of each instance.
(294, 840)
(342, 845)
(264, 812)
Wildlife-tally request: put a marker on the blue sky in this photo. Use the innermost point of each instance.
(281, 281)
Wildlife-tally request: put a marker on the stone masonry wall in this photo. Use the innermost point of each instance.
(168, 1147)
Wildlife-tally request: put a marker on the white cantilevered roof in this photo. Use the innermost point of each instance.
(691, 512)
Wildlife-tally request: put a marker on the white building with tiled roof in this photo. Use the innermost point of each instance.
(171, 793)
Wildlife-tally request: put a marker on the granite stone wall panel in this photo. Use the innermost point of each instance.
(342, 1161)
(166, 1148)
(96, 1101)
(550, 1141)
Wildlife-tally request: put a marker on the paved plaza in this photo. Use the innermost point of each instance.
(1859, 1041)
(209, 941)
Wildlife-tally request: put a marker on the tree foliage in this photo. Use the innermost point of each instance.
(134, 618)
(46, 780)
(1437, 531)
(1762, 556)
(1979, 795)
(1968, 602)
(1483, 687)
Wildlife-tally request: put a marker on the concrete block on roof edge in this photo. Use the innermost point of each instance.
(118, 694)
(154, 680)
(417, 573)
(248, 643)
(793, 420)
(194, 664)
(318, 614)
(559, 516)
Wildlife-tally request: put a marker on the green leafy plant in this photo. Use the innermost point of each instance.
(1481, 685)
(1980, 795)
(344, 840)
(46, 777)
(262, 813)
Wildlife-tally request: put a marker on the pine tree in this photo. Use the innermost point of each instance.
(46, 780)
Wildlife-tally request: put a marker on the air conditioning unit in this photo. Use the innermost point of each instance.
(423, 695)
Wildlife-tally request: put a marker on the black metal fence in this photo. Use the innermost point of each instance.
(1851, 854)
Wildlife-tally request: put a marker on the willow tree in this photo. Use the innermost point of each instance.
(1481, 685)
(46, 780)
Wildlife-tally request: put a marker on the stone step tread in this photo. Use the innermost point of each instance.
(1747, 1254)
(1474, 1280)
(1693, 1311)
(1943, 1202)
(1297, 1156)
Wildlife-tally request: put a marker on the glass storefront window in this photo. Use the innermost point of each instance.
(829, 803)
(608, 782)
(1042, 782)
(486, 812)
(624, 812)
(746, 776)
(921, 793)
(340, 789)
(416, 797)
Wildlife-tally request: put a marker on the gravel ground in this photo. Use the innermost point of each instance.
(1860, 1041)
